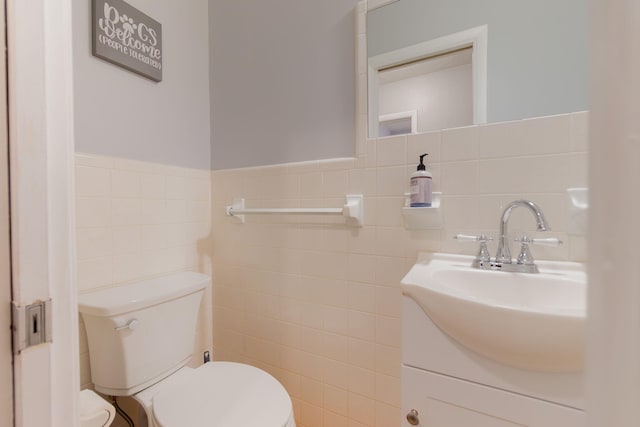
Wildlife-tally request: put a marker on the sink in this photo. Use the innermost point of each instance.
(527, 321)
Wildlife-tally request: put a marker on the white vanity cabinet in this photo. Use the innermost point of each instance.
(449, 385)
(443, 401)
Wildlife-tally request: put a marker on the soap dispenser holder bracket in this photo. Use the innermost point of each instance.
(424, 218)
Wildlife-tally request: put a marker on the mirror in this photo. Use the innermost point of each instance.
(490, 61)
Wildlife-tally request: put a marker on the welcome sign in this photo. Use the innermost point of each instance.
(127, 37)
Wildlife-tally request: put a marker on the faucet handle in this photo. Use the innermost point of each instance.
(548, 241)
(469, 238)
(525, 257)
(483, 257)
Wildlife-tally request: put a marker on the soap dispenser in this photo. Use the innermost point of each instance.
(421, 185)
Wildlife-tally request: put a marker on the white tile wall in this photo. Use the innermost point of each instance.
(317, 304)
(137, 220)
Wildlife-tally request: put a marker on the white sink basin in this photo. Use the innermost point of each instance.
(528, 321)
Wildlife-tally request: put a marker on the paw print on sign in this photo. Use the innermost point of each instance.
(127, 24)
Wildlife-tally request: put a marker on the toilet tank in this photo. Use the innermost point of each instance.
(140, 333)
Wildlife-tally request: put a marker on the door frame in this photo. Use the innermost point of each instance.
(613, 352)
(40, 75)
(476, 38)
(6, 355)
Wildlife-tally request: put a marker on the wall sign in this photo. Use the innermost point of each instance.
(127, 37)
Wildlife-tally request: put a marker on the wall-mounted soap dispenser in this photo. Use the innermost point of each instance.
(421, 185)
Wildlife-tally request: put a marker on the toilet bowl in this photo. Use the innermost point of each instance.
(141, 336)
(94, 410)
(232, 394)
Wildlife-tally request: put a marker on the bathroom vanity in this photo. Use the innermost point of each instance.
(496, 384)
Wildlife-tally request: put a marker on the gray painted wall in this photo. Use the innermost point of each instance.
(282, 81)
(538, 50)
(118, 113)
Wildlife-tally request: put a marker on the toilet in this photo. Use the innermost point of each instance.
(141, 336)
(94, 410)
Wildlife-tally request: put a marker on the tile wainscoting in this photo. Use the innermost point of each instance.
(137, 220)
(310, 300)
(317, 304)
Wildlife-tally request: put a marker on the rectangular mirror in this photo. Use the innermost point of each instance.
(452, 63)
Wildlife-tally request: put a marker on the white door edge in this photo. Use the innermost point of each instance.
(613, 342)
(6, 357)
(42, 224)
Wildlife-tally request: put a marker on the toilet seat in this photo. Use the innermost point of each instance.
(224, 394)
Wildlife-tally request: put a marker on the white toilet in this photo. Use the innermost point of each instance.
(142, 334)
(94, 410)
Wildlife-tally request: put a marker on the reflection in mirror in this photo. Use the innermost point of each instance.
(453, 81)
(398, 123)
(432, 93)
(536, 60)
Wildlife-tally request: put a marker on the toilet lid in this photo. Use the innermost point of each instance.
(224, 394)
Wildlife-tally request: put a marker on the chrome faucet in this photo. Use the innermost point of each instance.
(503, 255)
(503, 261)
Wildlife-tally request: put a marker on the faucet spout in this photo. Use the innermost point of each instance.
(503, 256)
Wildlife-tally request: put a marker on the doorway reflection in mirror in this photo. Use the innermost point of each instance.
(428, 94)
